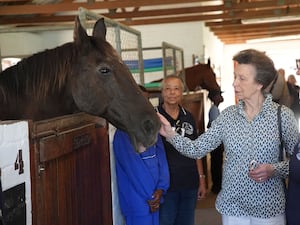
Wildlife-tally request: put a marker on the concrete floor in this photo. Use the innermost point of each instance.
(206, 213)
(207, 216)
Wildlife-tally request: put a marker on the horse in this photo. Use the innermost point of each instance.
(85, 75)
(201, 76)
(280, 91)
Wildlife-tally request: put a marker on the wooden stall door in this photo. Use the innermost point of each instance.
(194, 102)
(70, 169)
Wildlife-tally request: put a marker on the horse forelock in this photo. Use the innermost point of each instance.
(40, 73)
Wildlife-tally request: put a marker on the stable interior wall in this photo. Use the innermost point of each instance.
(23, 44)
(20, 44)
(188, 36)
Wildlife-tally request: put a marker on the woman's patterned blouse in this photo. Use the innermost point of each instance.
(245, 141)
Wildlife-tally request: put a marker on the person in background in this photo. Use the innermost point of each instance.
(294, 93)
(293, 191)
(216, 156)
(185, 173)
(142, 178)
(279, 89)
(252, 188)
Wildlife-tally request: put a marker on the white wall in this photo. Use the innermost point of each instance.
(187, 36)
(22, 44)
(18, 44)
(52, 39)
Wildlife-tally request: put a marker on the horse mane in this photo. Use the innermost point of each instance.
(40, 73)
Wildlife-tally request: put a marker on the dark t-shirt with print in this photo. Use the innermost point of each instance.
(183, 170)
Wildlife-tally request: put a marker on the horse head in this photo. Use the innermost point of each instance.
(202, 76)
(102, 85)
(84, 75)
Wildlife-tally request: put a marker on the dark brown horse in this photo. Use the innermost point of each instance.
(85, 75)
(201, 76)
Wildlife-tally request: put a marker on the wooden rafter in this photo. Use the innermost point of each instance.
(224, 19)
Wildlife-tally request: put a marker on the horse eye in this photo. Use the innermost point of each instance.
(104, 70)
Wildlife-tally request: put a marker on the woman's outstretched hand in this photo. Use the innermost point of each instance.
(165, 129)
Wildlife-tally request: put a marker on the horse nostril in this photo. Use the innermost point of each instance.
(148, 126)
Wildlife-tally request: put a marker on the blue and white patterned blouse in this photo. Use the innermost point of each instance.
(245, 141)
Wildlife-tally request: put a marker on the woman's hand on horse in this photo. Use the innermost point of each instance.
(165, 129)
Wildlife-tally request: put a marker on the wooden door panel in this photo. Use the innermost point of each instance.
(71, 181)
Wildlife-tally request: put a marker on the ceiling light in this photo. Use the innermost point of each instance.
(270, 19)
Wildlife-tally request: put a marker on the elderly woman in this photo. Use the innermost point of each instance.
(252, 187)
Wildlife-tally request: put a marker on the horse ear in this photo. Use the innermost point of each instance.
(99, 30)
(80, 36)
(208, 62)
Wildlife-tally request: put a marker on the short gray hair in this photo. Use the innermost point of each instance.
(264, 66)
(172, 77)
